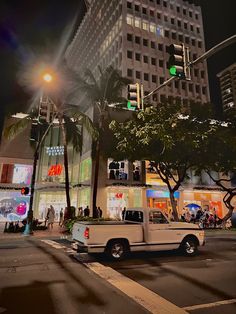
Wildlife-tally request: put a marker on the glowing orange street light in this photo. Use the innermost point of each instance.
(47, 77)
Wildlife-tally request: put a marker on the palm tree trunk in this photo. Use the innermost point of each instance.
(67, 181)
(95, 183)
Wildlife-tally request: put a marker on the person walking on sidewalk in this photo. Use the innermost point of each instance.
(51, 217)
(61, 217)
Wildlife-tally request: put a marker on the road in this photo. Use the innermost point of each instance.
(48, 274)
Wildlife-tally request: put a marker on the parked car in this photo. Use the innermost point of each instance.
(143, 229)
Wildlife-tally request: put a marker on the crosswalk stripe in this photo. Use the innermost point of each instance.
(213, 304)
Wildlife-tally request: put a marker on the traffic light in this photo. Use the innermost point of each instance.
(44, 110)
(177, 60)
(34, 130)
(25, 190)
(133, 96)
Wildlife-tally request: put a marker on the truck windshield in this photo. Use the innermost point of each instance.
(133, 215)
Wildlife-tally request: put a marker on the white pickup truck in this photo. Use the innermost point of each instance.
(144, 229)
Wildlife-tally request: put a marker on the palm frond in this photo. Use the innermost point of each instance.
(11, 131)
(73, 134)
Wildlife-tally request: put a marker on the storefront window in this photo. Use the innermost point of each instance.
(13, 206)
(137, 198)
(117, 170)
(136, 170)
(117, 200)
(85, 169)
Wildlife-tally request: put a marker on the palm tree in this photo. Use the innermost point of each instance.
(71, 122)
(101, 92)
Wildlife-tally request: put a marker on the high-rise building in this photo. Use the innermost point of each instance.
(227, 79)
(133, 36)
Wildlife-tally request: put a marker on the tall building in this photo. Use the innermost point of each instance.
(133, 36)
(227, 79)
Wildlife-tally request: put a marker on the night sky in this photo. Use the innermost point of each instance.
(29, 27)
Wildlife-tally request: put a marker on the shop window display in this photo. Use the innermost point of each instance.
(136, 170)
(117, 170)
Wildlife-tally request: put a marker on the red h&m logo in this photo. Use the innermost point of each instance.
(55, 170)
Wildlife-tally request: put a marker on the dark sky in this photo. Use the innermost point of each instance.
(27, 26)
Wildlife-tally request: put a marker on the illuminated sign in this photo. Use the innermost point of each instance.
(55, 150)
(55, 170)
(161, 194)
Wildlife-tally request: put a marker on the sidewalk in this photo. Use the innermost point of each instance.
(57, 232)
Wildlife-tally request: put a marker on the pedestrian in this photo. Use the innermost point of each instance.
(86, 211)
(80, 211)
(61, 217)
(123, 213)
(99, 212)
(51, 217)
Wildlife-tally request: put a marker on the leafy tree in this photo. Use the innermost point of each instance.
(218, 152)
(101, 92)
(168, 137)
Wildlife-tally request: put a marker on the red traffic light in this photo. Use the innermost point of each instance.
(25, 191)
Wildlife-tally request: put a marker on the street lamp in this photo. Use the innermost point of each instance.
(47, 77)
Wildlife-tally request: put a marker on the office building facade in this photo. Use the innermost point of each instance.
(227, 79)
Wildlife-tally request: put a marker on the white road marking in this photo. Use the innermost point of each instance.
(54, 244)
(213, 304)
(145, 297)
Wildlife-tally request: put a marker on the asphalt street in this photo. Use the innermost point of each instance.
(46, 276)
(37, 278)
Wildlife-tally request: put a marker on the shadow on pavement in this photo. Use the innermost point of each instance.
(34, 298)
(90, 296)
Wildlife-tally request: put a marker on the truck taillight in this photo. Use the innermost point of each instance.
(86, 233)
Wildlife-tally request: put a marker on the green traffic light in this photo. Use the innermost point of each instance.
(173, 71)
(129, 106)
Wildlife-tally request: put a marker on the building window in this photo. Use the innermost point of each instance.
(179, 23)
(190, 87)
(129, 37)
(183, 85)
(198, 30)
(145, 42)
(158, 1)
(153, 61)
(145, 26)
(146, 77)
(196, 72)
(129, 72)
(117, 170)
(129, 20)
(137, 22)
(160, 47)
(173, 35)
(161, 79)
(176, 84)
(144, 10)
(154, 78)
(129, 5)
(165, 18)
(187, 40)
(136, 170)
(196, 16)
(165, 4)
(197, 87)
(193, 42)
(184, 11)
(202, 74)
(178, 9)
(145, 59)
(159, 15)
(204, 90)
(137, 56)
(180, 37)
(185, 25)
(136, 7)
(138, 74)
(161, 63)
(199, 44)
(153, 45)
(129, 54)
(190, 14)
(152, 28)
(172, 20)
(167, 33)
(151, 13)
(137, 40)
(191, 27)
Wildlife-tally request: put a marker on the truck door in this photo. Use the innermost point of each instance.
(159, 230)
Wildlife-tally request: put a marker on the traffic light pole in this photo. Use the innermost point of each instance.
(225, 43)
(29, 226)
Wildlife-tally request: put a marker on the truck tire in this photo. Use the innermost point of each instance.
(116, 250)
(189, 246)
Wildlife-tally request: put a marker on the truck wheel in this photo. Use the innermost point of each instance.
(116, 250)
(189, 246)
